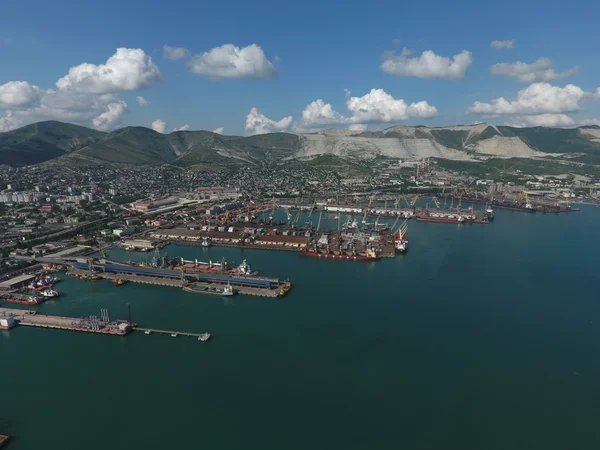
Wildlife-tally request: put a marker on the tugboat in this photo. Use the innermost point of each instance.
(49, 293)
(119, 281)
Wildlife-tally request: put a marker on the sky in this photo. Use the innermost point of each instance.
(243, 68)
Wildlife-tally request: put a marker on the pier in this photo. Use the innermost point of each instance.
(200, 336)
(10, 317)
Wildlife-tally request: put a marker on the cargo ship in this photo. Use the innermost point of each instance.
(369, 256)
(400, 241)
(23, 299)
(442, 219)
(195, 289)
(515, 207)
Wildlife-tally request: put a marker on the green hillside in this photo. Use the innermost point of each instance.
(43, 141)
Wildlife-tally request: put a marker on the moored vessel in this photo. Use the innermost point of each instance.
(212, 290)
(368, 256)
(23, 299)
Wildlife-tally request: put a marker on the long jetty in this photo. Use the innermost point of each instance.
(11, 317)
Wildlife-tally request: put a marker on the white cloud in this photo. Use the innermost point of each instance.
(219, 130)
(396, 41)
(9, 122)
(159, 126)
(379, 106)
(111, 117)
(141, 100)
(181, 128)
(127, 70)
(539, 70)
(585, 122)
(428, 65)
(509, 43)
(358, 127)
(175, 53)
(258, 123)
(319, 113)
(543, 120)
(538, 98)
(229, 61)
(19, 94)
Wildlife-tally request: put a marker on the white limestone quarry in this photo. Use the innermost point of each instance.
(593, 134)
(506, 147)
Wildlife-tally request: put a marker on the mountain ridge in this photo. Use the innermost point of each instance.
(54, 141)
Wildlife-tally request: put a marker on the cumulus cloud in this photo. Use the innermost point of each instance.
(219, 130)
(539, 70)
(128, 69)
(111, 117)
(509, 43)
(19, 94)
(175, 53)
(377, 106)
(141, 100)
(543, 120)
(182, 128)
(258, 123)
(538, 98)
(585, 122)
(159, 126)
(229, 61)
(358, 127)
(319, 113)
(428, 65)
(9, 122)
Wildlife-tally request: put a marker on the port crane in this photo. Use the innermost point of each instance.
(436, 201)
(396, 202)
(367, 209)
(414, 200)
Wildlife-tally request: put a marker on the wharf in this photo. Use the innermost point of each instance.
(3, 439)
(204, 337)
(90, 325)
(173, 282)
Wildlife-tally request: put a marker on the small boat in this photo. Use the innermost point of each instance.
(147, 332)
(49, 293)
(173, 334)
(119, 281)
(204, 337)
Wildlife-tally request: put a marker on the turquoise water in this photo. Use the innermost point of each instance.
(480, 337)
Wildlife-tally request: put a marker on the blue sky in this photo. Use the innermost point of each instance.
(318, 50)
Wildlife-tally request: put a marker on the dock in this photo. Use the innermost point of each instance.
(10, 317)
(200, 336)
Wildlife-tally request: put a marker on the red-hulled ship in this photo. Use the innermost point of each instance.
(22, 299)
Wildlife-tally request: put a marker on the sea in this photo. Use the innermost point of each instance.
(483, 337)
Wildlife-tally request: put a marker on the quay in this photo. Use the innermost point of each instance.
(247, 285)
(10, 318)
(203, 337)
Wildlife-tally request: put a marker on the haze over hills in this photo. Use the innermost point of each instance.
(47, 141)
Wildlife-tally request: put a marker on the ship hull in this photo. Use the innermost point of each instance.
(23, 302)
(207, 292)
(342, 257)
(440, 219)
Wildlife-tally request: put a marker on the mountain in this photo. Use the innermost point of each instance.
(46, 141)
(42, 141)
